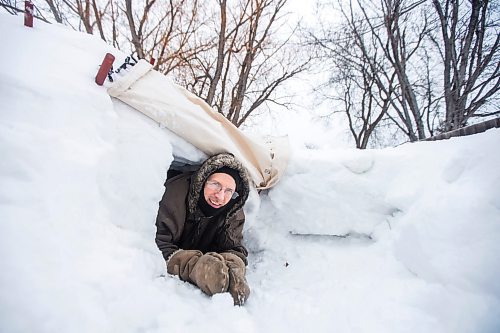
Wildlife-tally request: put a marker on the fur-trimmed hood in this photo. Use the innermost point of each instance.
(210, 166)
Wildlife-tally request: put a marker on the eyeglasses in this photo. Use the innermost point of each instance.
(216, 186)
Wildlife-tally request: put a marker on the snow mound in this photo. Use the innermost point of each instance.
(394, 240)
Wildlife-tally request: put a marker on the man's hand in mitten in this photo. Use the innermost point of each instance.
(210, 274)
(238, 286)
(182, 262)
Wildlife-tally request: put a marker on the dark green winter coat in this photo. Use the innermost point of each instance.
(180, 224)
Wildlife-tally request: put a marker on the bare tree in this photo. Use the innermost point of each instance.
(98, 15)
(114, 31)
(388, 38)
(137, 31)
(400, 52)
(9, 6)
(470, 53)
(82, 9)
(14, 8)
(400, 42)
(176, 39)
(234, 56)
(248, 60)
(359, 85)
(86, 13)
(54, 8)
(152, 27)
(221, 48)
(365, 105)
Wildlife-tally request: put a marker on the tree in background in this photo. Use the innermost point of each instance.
(412, 68)
(359, 84)
(437, 62)
(233, 54)
(400, 43)
(469, 47)
(252, 55)
(164, 30)
(13, 7)
(383, 46)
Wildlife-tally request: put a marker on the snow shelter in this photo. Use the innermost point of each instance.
(191, 118)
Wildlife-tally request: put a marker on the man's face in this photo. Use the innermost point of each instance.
(218, 189)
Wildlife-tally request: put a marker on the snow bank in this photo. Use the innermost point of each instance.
(81, 176)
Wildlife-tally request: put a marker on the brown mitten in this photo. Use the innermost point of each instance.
(210, 274)
(238, 286)
(182, 262)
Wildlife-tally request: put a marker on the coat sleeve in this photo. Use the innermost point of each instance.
(164, 235)
(171, 218)
(230, 239)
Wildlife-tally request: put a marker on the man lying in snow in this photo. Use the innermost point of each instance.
(200, 223)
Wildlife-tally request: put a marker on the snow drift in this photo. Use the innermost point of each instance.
(81, 176)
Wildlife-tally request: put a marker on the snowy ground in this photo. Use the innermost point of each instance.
(81, 176)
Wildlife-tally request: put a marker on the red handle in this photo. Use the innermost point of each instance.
(107, 62)
(28, 14)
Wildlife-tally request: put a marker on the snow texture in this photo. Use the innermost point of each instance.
(394, 240)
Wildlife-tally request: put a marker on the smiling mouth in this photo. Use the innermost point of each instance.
(214, 204)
